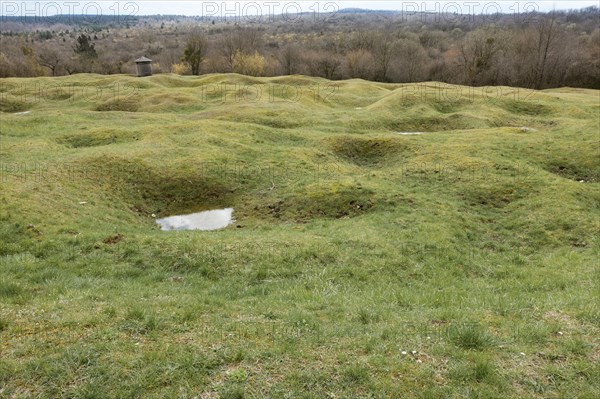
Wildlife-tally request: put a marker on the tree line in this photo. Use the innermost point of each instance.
(556, 49)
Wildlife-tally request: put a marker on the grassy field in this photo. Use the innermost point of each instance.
(457, 263)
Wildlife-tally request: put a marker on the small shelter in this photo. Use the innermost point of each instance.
(143, 66)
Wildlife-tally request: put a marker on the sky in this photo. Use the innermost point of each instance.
(220, 8)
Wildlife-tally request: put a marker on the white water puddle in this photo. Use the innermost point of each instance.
(23, 113)
(205, 221)
(408, 133)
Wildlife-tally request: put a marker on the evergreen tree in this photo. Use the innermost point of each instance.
(85, 47)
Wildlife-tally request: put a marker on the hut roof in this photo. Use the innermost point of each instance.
(143, 59)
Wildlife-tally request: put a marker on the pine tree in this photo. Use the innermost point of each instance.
(85, 47)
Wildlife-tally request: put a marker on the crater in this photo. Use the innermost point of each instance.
(13, 106)
(580, 164)
(370, 151)
(497, 195)
(526, 108)
(318, 201)
(150, 187)
(172, 102)
(435, 123)
(267, 119)
(99, 138)
(128, 105)
(58, 95)
(147, 188)
(448, 106)
(578, 173)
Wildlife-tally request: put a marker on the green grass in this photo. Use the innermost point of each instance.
(462, 262)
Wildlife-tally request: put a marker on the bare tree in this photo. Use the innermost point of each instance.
(289, 58)
(251, 39)
(383, 54)
(49, 58)
(243, 40)
(324, 64)
(477, 54)
(359, 64)
(7, 67)
(541, 54)
(229, 46)
(363, 40)
(547, 33)
(411, 63)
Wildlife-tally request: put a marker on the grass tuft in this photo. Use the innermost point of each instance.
(10, 290)
(470, 336)
(356, 374)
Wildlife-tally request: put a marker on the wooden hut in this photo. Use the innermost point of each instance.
(143, 66)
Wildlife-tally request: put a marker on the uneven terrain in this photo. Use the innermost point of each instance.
(460, 260)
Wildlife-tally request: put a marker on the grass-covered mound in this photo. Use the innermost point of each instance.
(460, 262)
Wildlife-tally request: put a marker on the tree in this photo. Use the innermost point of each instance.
(380, 46)
(324, 64)
(542, 52)
(289, 57)
(363, 40)
(229, 47)
(85, 48)
(244, 40)
(547, 34)
(594, 58)
(359, 64)
(49, 58)
(248, 64)
(195, 51)
(477, 55)
(7, 67)
(383, 53)
(33, 67)
(411, 63)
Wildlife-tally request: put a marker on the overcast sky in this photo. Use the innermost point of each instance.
(270, 7)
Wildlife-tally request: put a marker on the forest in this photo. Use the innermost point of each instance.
(537, 50)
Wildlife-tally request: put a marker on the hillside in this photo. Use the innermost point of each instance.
(372, 220)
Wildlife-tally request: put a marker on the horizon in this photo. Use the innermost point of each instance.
(239, 9)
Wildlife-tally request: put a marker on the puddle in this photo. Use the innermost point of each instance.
(205, 221)
(408, 133)
(23, 113)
